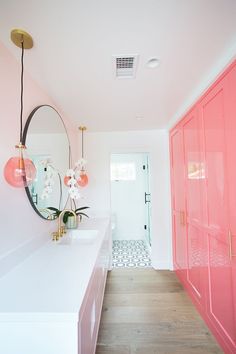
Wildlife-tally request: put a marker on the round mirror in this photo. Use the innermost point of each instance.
(48, 147)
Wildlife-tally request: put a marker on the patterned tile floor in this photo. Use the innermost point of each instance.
(130, 253)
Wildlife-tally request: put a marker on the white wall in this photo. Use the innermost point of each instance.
(22, 230)
(98, 148)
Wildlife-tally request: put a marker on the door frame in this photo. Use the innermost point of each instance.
(136, 151)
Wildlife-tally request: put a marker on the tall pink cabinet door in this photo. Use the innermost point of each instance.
(231, 179)
(194, 175)
(220, 287)
(178, 204)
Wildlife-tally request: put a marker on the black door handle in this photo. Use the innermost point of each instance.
(146, 199)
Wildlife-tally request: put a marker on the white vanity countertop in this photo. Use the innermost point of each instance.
(50, 284)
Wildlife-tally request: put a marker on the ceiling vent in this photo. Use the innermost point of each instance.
(125, 66)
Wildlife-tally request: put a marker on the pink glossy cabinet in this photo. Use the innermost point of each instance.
(178, 204)
(220, 294)
(194, 177)
(90, 311)
(230, 136)
(203, 171)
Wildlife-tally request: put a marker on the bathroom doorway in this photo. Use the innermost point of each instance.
(130, 205)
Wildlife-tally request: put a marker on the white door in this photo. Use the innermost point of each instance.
(130, 196)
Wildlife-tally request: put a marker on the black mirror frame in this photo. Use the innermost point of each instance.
(26, 127)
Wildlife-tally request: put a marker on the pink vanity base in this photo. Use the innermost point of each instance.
(91, 308)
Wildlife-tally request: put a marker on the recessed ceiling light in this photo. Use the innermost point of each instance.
(153, 63)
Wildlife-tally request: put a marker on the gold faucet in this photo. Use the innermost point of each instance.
(61, 228)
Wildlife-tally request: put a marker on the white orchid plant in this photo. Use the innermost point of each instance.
(72, 178)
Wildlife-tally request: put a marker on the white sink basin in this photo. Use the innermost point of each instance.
(77, 236)
(86, 235)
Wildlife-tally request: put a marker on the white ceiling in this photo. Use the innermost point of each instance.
(74, 41)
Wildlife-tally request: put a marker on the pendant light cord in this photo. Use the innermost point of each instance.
(22, 90)
(82, 143)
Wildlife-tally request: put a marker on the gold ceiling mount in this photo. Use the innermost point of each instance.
(82, 128)
(19, 36)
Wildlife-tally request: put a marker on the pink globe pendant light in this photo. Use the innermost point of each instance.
(82, 181)
(20, 171)
(66, 180)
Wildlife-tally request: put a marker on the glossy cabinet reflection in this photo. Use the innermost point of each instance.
(204, 154)
(178, 206)
(220, 307)
(194, 179)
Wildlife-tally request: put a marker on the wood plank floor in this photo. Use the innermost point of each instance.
(148, 312)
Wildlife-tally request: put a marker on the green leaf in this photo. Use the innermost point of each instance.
(66, 215)
(78, 209)
(54, 209)
(65, 218)
(57, 212)
(83, 214)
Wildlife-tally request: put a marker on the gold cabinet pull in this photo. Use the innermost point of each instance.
(231, 254)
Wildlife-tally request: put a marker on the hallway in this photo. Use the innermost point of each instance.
(148, 312)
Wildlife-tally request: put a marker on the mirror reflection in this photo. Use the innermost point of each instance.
(48, 146)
